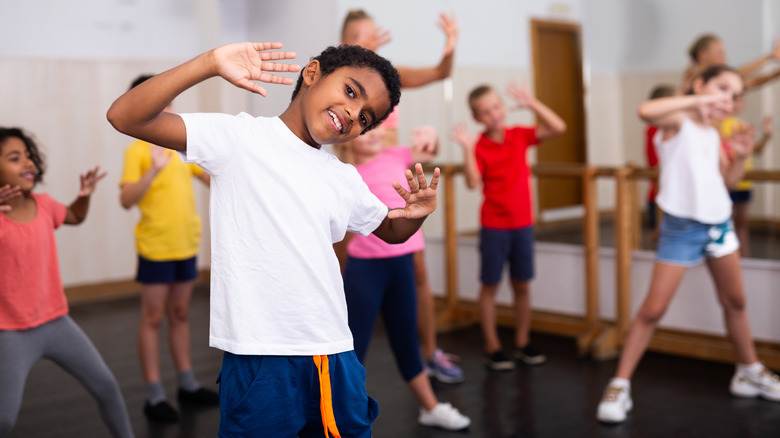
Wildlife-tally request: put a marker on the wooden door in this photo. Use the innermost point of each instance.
(557, 58)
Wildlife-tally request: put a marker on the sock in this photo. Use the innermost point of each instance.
(620, 383)
(753, 369)
(155, 392)
(187, 381)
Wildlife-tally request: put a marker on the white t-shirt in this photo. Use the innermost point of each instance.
(691, 185)
(277, 206)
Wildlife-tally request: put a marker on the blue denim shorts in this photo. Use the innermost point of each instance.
(686, 242)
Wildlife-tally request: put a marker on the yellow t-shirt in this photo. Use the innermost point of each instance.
(727, 128)
(170, 227)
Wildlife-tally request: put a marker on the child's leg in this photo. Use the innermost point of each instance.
(487, 317)
(153, 299)
(70, 348)
(739, 213)
(727, 275)
(364, 288)
(426, 310)
(664, 283)
(522, 312)
(177, 307)
(25, 348)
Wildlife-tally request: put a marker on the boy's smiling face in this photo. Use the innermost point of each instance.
(341, 105)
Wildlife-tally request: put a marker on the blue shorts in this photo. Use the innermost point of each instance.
(499, 246)
(281, 396)
(685, 242)
(741, 196)
(150, 271)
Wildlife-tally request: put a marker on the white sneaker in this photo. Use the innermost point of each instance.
(765, 384)
(615, 404)
(444, 416)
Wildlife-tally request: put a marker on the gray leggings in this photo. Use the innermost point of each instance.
(63, 342)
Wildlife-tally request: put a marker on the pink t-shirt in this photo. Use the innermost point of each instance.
(30, 284)
(379, 175)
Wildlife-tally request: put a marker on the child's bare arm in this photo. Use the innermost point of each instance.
(417, 77)
(421, 199)
(139, 112)
(77, 211)
(470, 169)
(549, 123)
(668, 112)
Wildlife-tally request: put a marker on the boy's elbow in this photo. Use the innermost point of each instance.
(114, 117)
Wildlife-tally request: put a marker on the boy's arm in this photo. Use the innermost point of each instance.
(421, 199)
(139, 112)
(205, 178)
(130, 193)
(470, 169)
(549, 123)
(77, 211)
(417, 77)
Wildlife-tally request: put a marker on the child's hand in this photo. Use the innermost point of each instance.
(89, 181)
(714, 106)
(520, 94)
(766, 125)
(421, 199)
(7, 192)
(160, 157)
(460, 133)
(449, 25)
(742, 141)
(425, 139)
(379, 38)
(242, 63)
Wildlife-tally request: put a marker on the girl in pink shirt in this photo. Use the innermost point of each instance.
(34, 321)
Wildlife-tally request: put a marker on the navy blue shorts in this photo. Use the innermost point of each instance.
(497, 247)
(740, 196)
(293, 396)
(150, 271)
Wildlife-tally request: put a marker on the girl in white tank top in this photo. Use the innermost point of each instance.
(695, 171)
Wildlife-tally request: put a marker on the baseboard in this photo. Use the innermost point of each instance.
(106, 291)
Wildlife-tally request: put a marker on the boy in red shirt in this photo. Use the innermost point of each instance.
(497, 160)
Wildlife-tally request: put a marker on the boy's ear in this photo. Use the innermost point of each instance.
(311, 72)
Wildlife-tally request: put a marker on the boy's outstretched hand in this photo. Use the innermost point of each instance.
(421, 198)
(242, 63)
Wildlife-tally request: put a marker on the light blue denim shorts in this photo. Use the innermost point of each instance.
(685, 242)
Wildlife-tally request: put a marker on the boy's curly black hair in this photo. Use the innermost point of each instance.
(345, 55)
(35, 155)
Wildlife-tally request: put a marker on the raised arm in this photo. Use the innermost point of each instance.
(668, 112)
(417, 77)
(77, 211)
(766, 134)
(421, 200)
(549, 123)
(733, 168)
(130, 193)
(140, 111)
(470, 169)
(749, 68)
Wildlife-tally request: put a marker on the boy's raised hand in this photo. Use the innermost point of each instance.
(520, 94)
(449, 25)
(242, 63)
(7, 192)
(421, 198)
(460, 133)
(89, 181)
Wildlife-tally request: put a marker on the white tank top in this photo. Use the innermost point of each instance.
(691, 185)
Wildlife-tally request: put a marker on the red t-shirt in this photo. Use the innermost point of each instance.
(30, 284)
(506, 179)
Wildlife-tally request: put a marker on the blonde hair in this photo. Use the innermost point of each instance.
(354, 15)
(476, 93)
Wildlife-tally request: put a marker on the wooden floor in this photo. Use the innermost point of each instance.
(674, 397)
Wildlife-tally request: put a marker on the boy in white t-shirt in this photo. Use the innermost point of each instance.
(278, 203)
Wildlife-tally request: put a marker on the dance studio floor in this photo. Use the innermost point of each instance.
(674, 397)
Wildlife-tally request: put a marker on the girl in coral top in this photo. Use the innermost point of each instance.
(34, 321)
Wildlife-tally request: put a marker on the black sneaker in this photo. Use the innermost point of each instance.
(201, 396)
(162, 411)
(530, 355)
(499, 361)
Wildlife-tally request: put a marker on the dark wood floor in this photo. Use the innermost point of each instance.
(674, 397)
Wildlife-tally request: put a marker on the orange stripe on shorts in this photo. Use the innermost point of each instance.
(326, 397)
